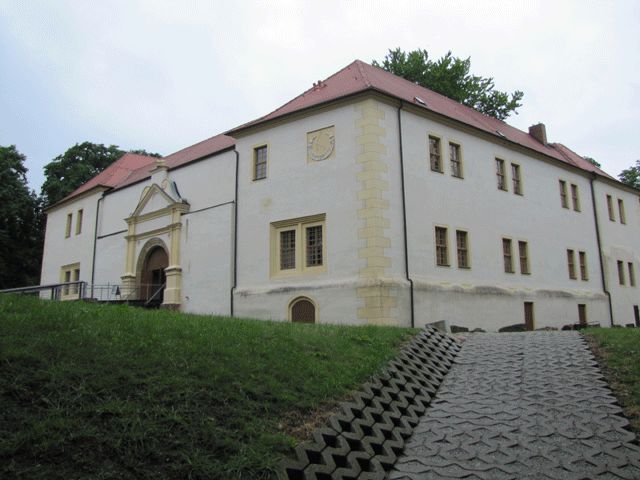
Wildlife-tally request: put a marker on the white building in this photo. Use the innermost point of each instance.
(367, 199)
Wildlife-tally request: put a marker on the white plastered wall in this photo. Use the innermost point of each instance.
(208, 186)
(60, 250)
(620, 242)
(297, 188)
(484, 296)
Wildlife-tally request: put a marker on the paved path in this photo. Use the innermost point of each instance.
(522, 406)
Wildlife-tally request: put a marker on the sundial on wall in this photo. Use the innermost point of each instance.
(320, 144)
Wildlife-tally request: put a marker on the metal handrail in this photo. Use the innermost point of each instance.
(54, 287)
(159, 290)
(81, 290)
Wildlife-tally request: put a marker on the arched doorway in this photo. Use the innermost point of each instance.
(152, 275)
(302, 310)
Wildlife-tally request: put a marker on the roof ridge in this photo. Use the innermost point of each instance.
(198, 143)
(557, 146)
(444, 97)
(359, 64)
(259, 119)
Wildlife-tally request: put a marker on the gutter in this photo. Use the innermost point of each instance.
(235, 238)
(95, 243)
(404, 215)
(602, 275)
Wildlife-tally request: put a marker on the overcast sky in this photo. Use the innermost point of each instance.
(162, 75)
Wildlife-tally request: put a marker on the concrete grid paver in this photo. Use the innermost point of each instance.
(522, 406)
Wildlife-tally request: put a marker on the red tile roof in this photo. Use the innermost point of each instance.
(359, 77)
(115, 173)
(181, 157)
(132, 168)
(354, 78)
(580, 162)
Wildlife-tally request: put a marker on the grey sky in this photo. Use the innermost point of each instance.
(163, 75)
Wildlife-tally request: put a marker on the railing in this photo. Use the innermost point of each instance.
(59, 291)
(147, 293)
(158, 293)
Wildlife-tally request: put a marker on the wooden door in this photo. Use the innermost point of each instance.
(582, 315)
(528, 316)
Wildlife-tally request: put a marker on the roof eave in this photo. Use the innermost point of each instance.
(71, 198)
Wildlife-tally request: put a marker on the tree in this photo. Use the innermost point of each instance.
(21, 222)
(593, 161)
(76, 166)
(450, 76)
(631, 176)
(142, 151)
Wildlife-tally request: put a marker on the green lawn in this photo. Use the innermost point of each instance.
(618, 350)
(95, 391)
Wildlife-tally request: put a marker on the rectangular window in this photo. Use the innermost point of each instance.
(563, 194)
(501, 174)
(571, 263)
(584, 274)
(621, 215)
(575, 197)
(507, 255)
(620, 272)
(260, 163)
(79, 222)
(517, 181)
(298, 246)
(67, 230)
(313, 241)
(76, 278)
(435, 156)
(69, 273)
(456, 160)
(67, 279)
(442, 249)
(632, 274)
(463, 248)
(523, 249)
(612, 215)
(287, 250)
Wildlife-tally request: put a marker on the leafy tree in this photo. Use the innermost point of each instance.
(21, 223)
(142, 151)
(450, 76)
(631, 176)
(76, 166)
(593, 161)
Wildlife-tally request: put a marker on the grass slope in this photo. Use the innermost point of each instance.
(618, 350)
(95, 391)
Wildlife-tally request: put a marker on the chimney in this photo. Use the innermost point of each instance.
(539, 132)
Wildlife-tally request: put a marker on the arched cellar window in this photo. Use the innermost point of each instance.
(302, 310)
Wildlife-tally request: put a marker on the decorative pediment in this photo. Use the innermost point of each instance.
(155, 200)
